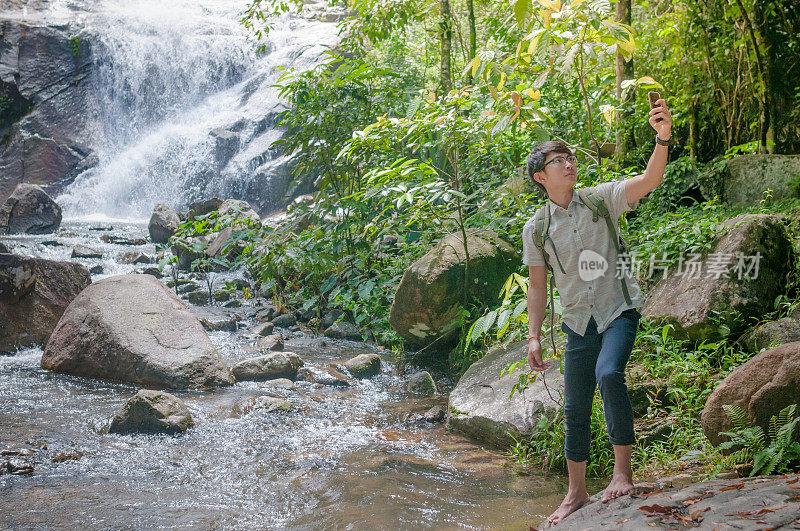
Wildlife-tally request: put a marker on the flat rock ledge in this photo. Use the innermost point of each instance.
(765, 502)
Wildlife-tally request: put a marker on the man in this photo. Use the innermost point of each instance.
(599, 316)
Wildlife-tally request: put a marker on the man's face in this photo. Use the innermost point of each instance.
(560, 172)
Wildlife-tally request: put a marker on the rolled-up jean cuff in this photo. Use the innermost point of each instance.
(623, 442)
(578, 458)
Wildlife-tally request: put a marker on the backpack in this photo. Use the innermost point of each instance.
(541, 234)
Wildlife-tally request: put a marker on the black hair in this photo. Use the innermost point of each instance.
(538, 155)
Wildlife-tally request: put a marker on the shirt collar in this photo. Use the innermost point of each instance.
(575, 199)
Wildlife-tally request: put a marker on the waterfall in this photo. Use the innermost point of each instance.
(185, 108)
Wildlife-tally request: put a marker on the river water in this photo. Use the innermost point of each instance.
(356, 457)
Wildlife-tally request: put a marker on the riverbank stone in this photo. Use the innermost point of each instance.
(480, 406)
(133, 329)
(33, 296)
(421, 383)
(29, 210)
(262, 404)
(163, 223)
(427, 300)
(263, 330)
(330, 317)
(343, 330)
(285, 320)
(272, 342)
(701, 307)
(762, 386)
(152, 412)
(747, 177)
(364, 365)
(81, 251)
(772, 334)
(325, 376)
(766, 502)
(268, 367)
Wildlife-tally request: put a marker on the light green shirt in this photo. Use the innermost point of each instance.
(590, 286)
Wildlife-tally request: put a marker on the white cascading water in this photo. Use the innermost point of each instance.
(185, 108)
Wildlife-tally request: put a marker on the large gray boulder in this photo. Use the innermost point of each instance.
(763, 386)
(239, 210)
(427, 301)
(33, 295)
(703, 307)
(747, 177)
(152, 412)
(29, 210)
(163, 223)
(364, 365)
(132, 328)
(47, 83)
(480, 406)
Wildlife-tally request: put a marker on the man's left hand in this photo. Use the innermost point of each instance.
(661, 119)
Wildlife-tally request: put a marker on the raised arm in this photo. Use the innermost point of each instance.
(640, 185)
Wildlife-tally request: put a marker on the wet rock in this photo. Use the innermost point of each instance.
(280, 383)
(4, 248)
(272, 342)
(268, 367)
(52, 243)
(222, 295)
(198, 298)
(763, 386)
(421, 383)
(239, 210)
(284, 321)
(29, 210)
(96, 270)
(152, 412)
(102, 228)
(133, 257)
(153, 271)
(17, 277)
(746, 503)
(218, 242)
(163, 223)
(267, 313)
(21, 452)
(328, 376)
(364, 365)
(121, 240)
(262, 404)
(81, 251)
(343, 330)
(428, 297)
(330, 317)
(480, 406)
(30, 308)
(227, 324)
(709, 308)
(187, 286)
(264, 329)
(132, 328)
(232, 304)
(60, 457)
(203, 207)
(435, 414)
(19, 467)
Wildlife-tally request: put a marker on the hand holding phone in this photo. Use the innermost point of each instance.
(653, 97)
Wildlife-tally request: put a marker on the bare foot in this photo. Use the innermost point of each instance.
(570, 504)
(620, 485)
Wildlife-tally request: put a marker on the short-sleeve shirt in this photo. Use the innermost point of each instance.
(590, 285)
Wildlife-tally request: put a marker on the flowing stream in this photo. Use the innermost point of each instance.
(185, 110)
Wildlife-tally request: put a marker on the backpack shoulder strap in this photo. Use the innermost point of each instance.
(541, 233)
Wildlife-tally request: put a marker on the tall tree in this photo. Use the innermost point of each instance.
(445, 41)
(624, 70)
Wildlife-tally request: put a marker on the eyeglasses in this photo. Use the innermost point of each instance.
(560, 161)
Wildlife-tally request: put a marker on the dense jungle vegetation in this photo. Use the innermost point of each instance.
(419, 123)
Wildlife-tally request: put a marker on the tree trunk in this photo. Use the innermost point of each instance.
(765, 103)
(445, 39)
(473, 38)
(624, 69)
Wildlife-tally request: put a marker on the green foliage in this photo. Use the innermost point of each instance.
(750, 441)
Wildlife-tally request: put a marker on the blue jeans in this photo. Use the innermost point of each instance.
(598, 360)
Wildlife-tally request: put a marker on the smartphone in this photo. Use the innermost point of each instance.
(653, 97)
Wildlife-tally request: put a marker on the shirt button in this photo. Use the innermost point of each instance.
(570, 215)
(581, 250)
(590, 288)
(575, 230)
(591, 306)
